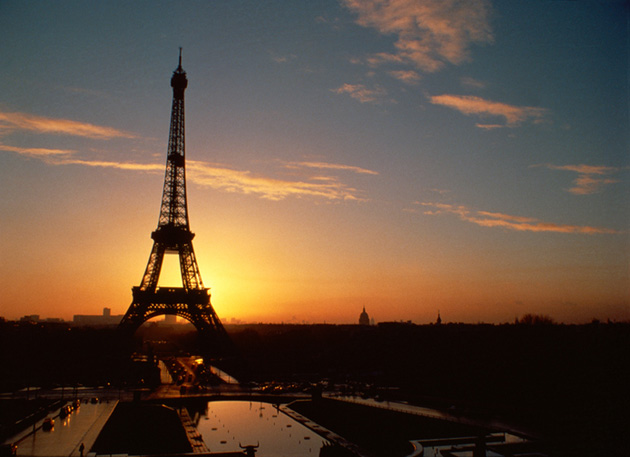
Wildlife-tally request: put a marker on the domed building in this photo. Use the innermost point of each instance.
(364, 319)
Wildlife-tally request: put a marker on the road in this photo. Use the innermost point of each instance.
(70, 393)
(82, 426)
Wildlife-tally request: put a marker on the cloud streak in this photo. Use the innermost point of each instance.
(591, 178)
(331, 166)
(472, 105)
(362, 93)
(36, 151)
(510, 222)
(430, 33)
(472, 83)
(130, 166)
(246, 182)
(407, 76)
(490, 126)
(230, 180)
(11, 121)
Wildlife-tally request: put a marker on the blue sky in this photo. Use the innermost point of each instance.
(406, 156)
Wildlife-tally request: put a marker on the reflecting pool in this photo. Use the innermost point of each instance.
(228, 424)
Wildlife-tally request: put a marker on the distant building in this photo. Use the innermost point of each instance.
(364, 319)
(95, 320)
(439, 319)
(36, 319)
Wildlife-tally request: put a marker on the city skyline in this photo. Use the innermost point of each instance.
(470, 157)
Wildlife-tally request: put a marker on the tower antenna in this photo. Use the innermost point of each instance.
(180, 57)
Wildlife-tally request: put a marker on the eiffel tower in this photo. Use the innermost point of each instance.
(173, 236)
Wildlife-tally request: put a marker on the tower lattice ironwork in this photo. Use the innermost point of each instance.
(173, 236)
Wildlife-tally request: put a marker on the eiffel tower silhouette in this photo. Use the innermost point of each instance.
(173, 236)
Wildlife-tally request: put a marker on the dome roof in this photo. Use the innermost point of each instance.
(364, 319)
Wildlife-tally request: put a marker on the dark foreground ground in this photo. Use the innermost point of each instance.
(565, 383)
(142, 429)
(383, 433)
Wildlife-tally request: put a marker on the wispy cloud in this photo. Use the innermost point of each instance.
(201, 173)
(246, 182)
(406, 76)
(332, 22)
(282, 58)
(383, 58)
(472, 83)
(242, 181)
(68, 157)
(36, 151)
(591, 178)
(330, 166)
(430, 33)
(10, 121)
(468, 104)
(362, 93)
(130, 166)
(440, 191)
(489, 126)
(510, 222)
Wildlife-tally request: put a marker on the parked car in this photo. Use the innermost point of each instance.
(48, 424)
(65, 411)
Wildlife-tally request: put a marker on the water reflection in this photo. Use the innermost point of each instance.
(227, 425)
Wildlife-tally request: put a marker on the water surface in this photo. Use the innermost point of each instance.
(230, 423)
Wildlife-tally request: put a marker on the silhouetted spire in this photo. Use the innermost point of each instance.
(364, 319)
(179, 81)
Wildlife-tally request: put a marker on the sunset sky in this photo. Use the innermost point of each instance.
(470, 157)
